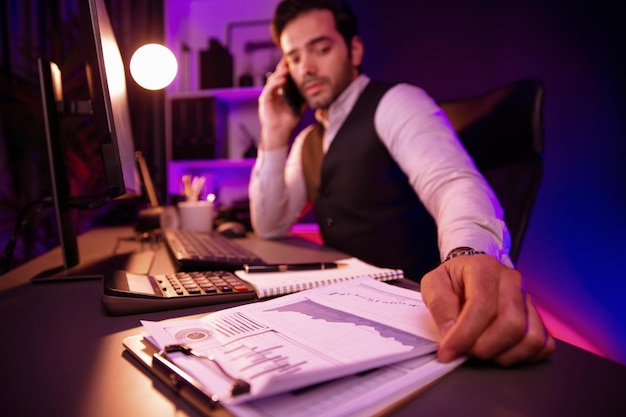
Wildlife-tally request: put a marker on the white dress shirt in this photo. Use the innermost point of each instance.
(421, 139)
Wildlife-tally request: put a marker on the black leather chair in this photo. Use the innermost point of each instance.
(502, 130)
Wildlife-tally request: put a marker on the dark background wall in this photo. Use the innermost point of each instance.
(573, 251)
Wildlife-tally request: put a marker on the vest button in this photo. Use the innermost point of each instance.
(329, 221)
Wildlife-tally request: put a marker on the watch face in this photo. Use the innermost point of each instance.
(463, 251)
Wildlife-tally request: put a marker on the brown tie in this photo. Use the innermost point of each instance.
(312, 157)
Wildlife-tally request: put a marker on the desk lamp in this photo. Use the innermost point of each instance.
(153, 67)
(144, 61)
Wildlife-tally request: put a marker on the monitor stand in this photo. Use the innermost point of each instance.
(135, 262)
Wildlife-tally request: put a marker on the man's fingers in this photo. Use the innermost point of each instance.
(509, 323)
(473, 305)
(443, 303)
(478, 312)
(536, 344)
(482, 309)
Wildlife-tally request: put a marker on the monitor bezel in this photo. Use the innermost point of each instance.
(114, 131)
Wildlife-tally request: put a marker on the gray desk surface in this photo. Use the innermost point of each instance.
(60, 355)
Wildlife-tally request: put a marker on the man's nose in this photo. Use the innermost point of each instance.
(308, 65)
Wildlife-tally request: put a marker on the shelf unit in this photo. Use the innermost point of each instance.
(211, 124)
(212, 133)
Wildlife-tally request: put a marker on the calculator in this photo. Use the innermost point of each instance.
(128, 293)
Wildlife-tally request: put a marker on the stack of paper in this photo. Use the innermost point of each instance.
(285, 346)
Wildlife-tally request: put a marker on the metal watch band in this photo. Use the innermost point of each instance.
(462, 251)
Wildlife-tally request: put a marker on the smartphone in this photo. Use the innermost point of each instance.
(292, 96)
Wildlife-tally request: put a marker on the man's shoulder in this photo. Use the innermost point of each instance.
(403, 102)
(398, 87)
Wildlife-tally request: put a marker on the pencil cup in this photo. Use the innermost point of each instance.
(196, 215)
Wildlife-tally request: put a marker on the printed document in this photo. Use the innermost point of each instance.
(302, 339)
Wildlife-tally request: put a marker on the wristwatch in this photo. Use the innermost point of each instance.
(462, 251)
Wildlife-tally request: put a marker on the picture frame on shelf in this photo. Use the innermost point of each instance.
(253, 50)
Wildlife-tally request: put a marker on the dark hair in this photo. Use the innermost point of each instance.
(287, 10)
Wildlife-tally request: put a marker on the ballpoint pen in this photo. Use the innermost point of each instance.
(292, 267)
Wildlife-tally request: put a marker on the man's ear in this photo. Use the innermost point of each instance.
(356, 51)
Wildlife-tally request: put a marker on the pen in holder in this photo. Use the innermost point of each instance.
(195, 214)
(192, 187)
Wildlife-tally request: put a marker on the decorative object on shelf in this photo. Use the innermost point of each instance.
(254, 53)
(216, 66)
(193, 129)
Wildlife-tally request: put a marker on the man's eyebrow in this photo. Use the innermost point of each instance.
(310, 43)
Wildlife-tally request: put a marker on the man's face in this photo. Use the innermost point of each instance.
(318, 58)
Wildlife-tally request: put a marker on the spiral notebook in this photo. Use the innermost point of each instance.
(271, 284)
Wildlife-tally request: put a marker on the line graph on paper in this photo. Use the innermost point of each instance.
(385, 304)
(322, 315)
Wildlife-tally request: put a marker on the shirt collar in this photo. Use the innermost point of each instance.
(339, 109)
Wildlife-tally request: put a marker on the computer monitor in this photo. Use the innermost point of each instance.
(109, 100)
(108, 106)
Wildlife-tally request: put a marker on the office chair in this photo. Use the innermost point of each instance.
(502, 129)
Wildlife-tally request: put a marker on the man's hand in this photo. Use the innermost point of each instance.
(277, 118)
(483, 310)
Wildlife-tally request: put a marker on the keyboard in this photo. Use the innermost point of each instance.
(195, 251)
(128, 293)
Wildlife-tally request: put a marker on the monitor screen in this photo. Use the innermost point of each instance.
(107, 82)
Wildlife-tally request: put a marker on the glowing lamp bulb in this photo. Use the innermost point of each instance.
(153, 66)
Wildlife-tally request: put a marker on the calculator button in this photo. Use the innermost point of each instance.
(209, 283)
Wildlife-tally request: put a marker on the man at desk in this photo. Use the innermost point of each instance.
(390, 183)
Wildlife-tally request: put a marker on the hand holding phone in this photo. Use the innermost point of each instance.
(292, 96)
(280, 108)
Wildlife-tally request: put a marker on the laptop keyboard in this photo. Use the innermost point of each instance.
(207, 251)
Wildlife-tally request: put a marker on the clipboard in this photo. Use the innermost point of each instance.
(195, 395)
(183, 384)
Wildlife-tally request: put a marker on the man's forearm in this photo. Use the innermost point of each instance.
(272, 209)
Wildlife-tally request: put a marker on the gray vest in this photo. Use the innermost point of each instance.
(362, 200)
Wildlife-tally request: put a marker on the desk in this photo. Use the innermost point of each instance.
(62, 356)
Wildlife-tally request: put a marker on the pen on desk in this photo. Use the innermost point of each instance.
(292, 267)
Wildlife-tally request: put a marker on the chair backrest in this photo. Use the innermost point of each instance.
(502, 130)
